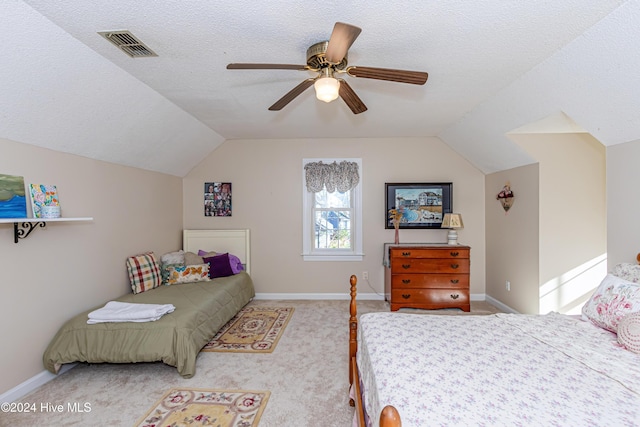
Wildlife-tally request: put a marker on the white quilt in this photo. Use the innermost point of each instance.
(498, 370)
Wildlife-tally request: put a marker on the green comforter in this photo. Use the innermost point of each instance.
(202, 308)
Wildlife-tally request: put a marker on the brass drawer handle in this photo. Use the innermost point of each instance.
(454, 296)
(406, 253)
(454, 266)
(454, 281)
(406, 281)
(406, 296)
(406, 265)
(454, 253)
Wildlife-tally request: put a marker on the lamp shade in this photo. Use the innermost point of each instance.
(327, 89)
(452, 220)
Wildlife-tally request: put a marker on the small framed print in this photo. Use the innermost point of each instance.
(217, 199)
(422, 205)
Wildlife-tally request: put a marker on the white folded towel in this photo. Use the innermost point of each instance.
(115, 311)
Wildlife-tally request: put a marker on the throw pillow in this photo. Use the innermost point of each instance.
(144, 272)
(627, 271)
(206, 254)
(191, 258)
(629, 332)
(165, 271)
(176, 257)
(188, 274)
(614, 298)
(219, 266)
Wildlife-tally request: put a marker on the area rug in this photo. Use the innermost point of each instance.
(253, 330)
(180, 407)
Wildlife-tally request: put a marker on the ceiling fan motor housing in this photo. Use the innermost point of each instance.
(316, 59)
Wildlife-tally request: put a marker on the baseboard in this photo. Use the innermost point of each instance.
(346, 296)
(505, 308)
(321, 296)
(32, 383)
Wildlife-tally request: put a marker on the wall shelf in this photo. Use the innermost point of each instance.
(22, 227)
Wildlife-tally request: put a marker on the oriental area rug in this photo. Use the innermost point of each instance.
(253, 330)
(181, 407)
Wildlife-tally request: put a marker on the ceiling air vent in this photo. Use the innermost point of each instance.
(128, 43)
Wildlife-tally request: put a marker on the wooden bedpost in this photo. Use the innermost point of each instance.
(389, 417)
(353, 325)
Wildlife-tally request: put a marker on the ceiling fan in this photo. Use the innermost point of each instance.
(328, 59)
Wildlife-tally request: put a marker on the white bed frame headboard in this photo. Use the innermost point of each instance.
(236, 242)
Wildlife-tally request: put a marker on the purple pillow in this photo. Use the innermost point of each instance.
(234, 261)
(219, 266)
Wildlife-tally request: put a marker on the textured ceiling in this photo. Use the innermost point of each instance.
(493, 66)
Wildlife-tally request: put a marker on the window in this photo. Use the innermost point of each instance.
(332, 220)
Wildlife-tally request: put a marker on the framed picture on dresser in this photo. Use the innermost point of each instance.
(422, 205)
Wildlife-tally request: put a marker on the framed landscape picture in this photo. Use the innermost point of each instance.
(13, 202)
(422, 205)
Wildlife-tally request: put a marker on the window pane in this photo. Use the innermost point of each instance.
(332, 200)
(332, 229)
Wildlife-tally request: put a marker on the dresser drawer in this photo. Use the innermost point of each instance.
(423, 298)
(429, 265)
(446, 281)
(429, 252)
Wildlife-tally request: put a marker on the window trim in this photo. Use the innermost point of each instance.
(311, 254)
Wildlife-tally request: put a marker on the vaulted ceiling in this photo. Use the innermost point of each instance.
(494, 66)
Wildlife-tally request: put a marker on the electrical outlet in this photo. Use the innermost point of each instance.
(508, 285)
(365, 275)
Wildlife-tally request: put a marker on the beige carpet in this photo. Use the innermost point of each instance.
(307, 375)
(199, 407)
(254, 329)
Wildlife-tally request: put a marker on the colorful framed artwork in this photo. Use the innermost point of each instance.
(422, 205)
(42, 195)
(13, 201)
(217, 199)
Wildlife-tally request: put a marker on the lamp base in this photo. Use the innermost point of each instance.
(452, 237)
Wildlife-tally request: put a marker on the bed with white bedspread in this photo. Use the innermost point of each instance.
(502, 369)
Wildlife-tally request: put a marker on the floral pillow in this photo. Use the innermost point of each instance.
(187, 274)
(627, 271)
(614, 299)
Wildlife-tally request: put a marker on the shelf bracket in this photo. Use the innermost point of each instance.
(22, 229)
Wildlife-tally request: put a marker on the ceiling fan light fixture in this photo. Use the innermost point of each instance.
(327, 89)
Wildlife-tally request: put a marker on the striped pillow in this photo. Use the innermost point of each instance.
(144, 272)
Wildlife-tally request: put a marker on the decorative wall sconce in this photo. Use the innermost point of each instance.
(505, 197)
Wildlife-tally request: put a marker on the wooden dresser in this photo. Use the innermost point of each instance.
(427, 276)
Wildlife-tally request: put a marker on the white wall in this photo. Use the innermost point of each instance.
(623, 223)
(570, 234)
(512, 239)
(266, 176)
(66, 268)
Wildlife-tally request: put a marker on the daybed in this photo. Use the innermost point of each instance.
(503, 369)
(201, 309)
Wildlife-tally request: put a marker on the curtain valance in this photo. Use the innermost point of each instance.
(334, 176)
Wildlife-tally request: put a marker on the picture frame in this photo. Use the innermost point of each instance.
(423, 204)
(217, 199)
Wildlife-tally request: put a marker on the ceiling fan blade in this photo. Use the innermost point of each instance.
(351, 99)
(400, 76)
(241, 66)
(342, 38)
(291, 95)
